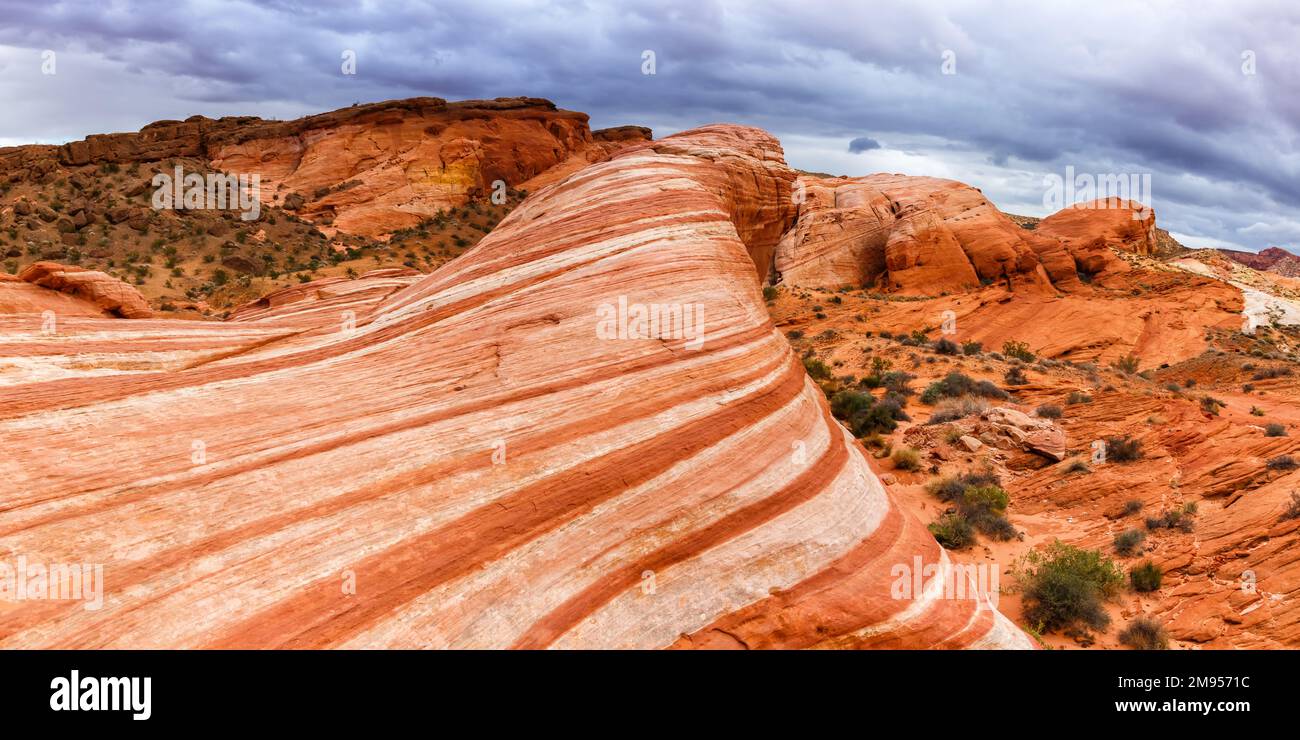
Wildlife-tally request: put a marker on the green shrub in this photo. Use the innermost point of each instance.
(1015, 376)
(1128, 541)
(953, 531)
(946, 347)
(817, 369)
(1077, 397)
(1127, 365)
(1132, 506)
(972, 348)
(1018, 350)
(956, 384)
(1145, 577)
(952, 409)
(1064, 586)
(865, 415)
(770, 293)
(1275, 430)
(1144, 633)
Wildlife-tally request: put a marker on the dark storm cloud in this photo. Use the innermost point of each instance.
(863, 144)
(1109, 87)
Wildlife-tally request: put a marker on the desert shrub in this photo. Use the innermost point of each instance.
(1048, 411)
(1274, 430)
(979, 500)
(946, 347)
(952, 409)
(1015, 376)
(1018, 350)
(865, 415)
(1065, 586)
(817, 369)
(1293, 508)
(770, 293)
(1077, 466)
(1281, 462)
(1269, 373)
(972, 348)
(1128, 541)
(1145, 577)
(1127, 365)
(898, 381)
(1123, 449)
(957, 384)
(906, 458)
(1077, 397)
(1144, 633)
(953, 531)
(1256, 411)
(1180, 519)
(1211, 405)
(1132, 506)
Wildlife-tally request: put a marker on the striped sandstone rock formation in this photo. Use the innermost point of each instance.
(488, 456)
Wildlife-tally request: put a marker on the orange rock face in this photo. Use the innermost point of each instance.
(584, 432)
(97, 292)
(1089, 231)
(911, 235)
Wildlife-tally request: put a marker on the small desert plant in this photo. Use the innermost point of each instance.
(1077, 466)
(1132, 506)
(1180, 519)
(1144, 633)
(952, 409)
(906, 458)
(1281, 462)
(1145, 577)
(946, 347)
(770, 293)
(1127, 365)
(1123, 449)
(957, 384)
(1077, 397)
(1211, 405)
(1256, 411)
(1015, 376)
(953, 531)
(1048, 411)
(817, 369)
(972, 348)
(1018, 350)
(1064, 586)
(1274, 430)
(1128, 541)
(1293, 509)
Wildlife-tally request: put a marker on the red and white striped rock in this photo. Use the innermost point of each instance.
(477, 461)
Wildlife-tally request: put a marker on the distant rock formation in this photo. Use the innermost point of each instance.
(94, 292)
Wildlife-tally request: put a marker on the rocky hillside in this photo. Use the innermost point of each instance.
(1273, 259)
(408, 183)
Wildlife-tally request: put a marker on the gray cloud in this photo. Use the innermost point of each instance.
(1107, 87)
(863, 144)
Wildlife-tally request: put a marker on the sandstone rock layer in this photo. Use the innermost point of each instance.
(479, 460)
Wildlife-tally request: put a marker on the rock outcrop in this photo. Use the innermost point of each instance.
(914, 236)
(93, 292)
(500, 454)
(1090, 231)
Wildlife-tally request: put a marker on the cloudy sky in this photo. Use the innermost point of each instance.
(1204, 96)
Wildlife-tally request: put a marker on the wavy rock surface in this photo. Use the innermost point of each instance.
(481, 460)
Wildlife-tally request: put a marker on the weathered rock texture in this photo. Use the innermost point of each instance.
(92, 292)
(912, 235)
(471, 464)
